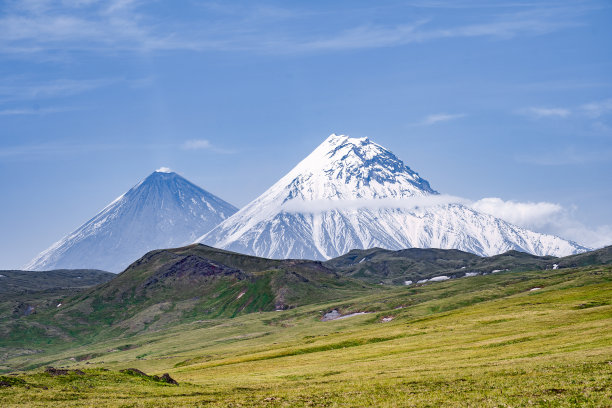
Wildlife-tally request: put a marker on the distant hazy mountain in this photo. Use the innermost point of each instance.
(164, 210)
(354, 194)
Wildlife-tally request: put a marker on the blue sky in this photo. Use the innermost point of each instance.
(508, 99)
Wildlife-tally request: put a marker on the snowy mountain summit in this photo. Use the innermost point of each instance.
(164, 210)
(354, 194)
(343, 168)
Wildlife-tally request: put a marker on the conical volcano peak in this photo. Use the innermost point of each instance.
(334, 141)
(162, 181)
(346, 139)
(163, 210)
(348, 168)
(169, 174)
(335, 137)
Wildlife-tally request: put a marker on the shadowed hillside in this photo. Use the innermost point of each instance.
(15, 282)
(395, 267)
(171, 286)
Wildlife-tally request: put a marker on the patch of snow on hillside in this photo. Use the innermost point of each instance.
(439, 278)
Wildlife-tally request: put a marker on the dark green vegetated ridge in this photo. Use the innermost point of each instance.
(196, 283)
(378, 265)
(14, 282)
(168, 287)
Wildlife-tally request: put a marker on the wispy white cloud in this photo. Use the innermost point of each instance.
(475, 4)
(62, 148)
(422, 31)
(533, 19)
(441, 117)
(37, 111)
(598, 108)
(203, 144)
(42, 27)
(544, 112)
(561, 85)
(12, 89)
(52, 149)
(365, 37)
(592, 110)
(36, 27)
(196, 144)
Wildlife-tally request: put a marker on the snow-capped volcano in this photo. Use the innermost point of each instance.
(164, 210)
(354, 194)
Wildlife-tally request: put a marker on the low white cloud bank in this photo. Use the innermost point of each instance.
(544, 217)
(535, 215)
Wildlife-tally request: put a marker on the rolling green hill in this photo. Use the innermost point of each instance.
(167, 287)
(533, 338)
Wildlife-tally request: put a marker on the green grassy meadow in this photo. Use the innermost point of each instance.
(487, 341)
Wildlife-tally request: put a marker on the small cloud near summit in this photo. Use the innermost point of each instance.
(203, 144)
(196, 144)
(543, 112)
(163, 170)
(440, 117)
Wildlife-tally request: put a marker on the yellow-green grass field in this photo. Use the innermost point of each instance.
(487, 341)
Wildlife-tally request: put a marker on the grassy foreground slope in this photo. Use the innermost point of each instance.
(481, 341)
(24, 295)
